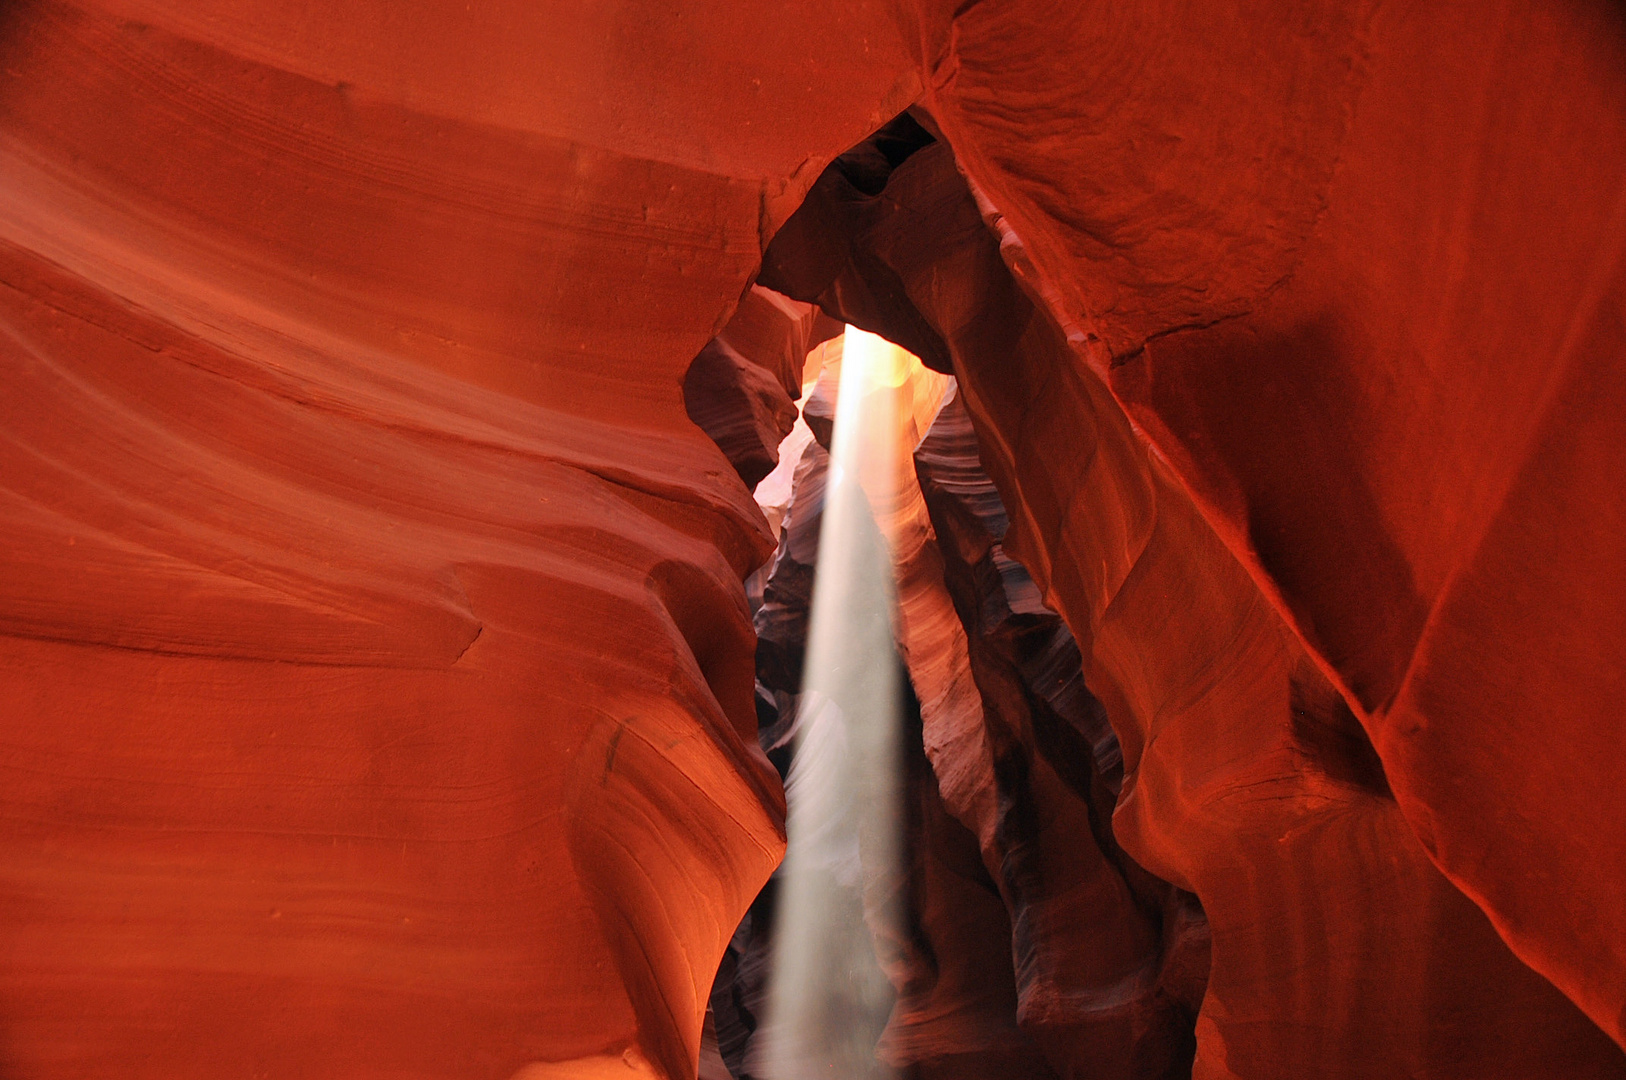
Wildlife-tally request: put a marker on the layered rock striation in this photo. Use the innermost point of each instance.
(377, 688)
(1032, 945)
(1247, 779)
(376, 679)
(1354, 273)
(1110, 961)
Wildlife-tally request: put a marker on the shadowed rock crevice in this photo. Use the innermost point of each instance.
(1023, 886)
(381, 391)
(1044, 726)
(1245, 778)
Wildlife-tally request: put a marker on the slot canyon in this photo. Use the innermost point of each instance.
(417, 419)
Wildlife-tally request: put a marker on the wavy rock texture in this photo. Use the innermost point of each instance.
(742, 388)
(1104, 971)
(955, 1014)
(377, 680)
(376, 687)
(1247, 781)
(1356, 273)
(1110, 962)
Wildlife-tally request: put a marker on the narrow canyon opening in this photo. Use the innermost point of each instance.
(939, 958)
(422, 494)
(1019, 936)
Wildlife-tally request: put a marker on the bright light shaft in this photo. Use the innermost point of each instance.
(829, 1000)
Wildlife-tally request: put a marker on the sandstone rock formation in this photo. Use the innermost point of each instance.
(377, 681)
(378, 692)
(1111, 962)
(742, 387)
(1247, 779)
(1355, 274)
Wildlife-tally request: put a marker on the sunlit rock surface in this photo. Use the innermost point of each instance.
(1247, 780)
(1355, 271)
(376, 681)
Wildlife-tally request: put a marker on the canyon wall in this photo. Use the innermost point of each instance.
(1354, 273)
(377, 693)
(1247, 778)
(376, 678)
(1031, 946)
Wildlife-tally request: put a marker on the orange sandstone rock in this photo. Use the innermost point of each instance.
(375, 679)
(1355, 274)
(1247, 780)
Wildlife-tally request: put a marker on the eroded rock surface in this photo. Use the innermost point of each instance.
(376, 678)
(1246, 778)
(1033, 946)
(377, 692)
(742, 388)
(1355, 272)
(1110, 961)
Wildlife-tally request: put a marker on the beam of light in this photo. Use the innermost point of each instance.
(829, 1000)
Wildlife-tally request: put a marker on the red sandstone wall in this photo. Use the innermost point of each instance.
(375, 681)
(343, 467)
(1247, 778)
(1355, 272)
